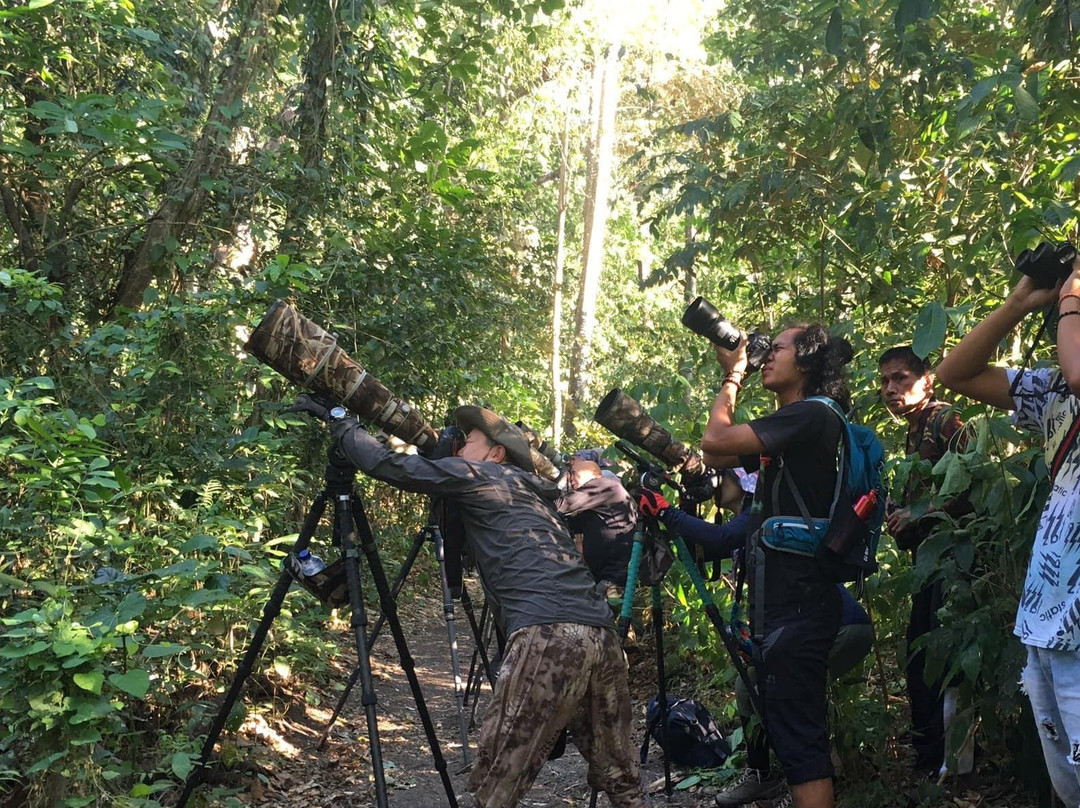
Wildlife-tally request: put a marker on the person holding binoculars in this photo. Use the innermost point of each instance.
(1043, 400)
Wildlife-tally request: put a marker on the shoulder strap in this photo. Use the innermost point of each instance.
(1063, 448)
(935, 426)
(841, 469)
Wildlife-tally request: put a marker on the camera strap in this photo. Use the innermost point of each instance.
(1014, 388)
(1063, 448)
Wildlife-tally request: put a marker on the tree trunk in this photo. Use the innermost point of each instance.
(309, 129)
(599, 163)
(557, 286)
(187, 198)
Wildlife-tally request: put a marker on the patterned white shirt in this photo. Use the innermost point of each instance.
(1049, 612)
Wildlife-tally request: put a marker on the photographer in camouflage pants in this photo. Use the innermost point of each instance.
(563, 663)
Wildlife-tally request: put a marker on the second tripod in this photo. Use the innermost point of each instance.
(432, 532)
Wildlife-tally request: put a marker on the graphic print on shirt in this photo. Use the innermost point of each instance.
(1049, 612)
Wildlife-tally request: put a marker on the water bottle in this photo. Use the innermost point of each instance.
(310, 564)
(866, 505)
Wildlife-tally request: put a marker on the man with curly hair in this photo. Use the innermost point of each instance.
(795, 607)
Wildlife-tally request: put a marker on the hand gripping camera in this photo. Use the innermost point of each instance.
(703, 319)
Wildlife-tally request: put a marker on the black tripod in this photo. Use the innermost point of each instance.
(431, 532)
(649, 529)
(350, 522)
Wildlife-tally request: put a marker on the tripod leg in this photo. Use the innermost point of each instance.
(713, 614)
(343, 525)
(410, 559)
(403, 573)
(455, 666)
(247, 664)
(636, 553)
(473, 670)
(478, 633)
(389, 608)
(486, 632)
(661, 682)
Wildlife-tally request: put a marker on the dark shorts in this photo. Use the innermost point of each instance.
(792, 668)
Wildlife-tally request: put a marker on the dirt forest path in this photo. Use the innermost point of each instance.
(289, 771)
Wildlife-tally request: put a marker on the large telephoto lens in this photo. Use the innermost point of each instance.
(307, 355)
(625, 417)
(542, 461)
(703, 319)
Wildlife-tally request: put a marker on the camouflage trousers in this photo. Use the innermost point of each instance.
(553, 676)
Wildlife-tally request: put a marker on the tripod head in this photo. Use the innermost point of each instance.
(340, 472)
(693, 489)
(652, 475)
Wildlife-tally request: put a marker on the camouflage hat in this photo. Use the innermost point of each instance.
(498, 430)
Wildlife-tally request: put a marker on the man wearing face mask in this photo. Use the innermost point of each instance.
(933, 428)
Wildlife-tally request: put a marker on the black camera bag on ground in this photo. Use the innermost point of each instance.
(693, 738)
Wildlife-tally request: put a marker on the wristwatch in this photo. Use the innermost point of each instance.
(336, 413)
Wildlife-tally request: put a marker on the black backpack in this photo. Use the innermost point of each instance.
(693, 738)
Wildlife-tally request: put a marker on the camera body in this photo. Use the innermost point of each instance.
(703, 319)
(1048, 264)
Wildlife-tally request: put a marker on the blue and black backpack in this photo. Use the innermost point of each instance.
(845, 544)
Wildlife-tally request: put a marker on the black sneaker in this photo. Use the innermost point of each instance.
(751, 785)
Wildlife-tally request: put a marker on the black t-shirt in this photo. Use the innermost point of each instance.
(603, 513)
(803, 438)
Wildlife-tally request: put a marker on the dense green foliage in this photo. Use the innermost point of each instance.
(167, 171)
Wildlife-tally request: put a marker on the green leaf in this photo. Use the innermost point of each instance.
(965, 555)
(930, 326)
(46, 762)
(688, 782)
(834, 33)
(135, 682)
(957, 477)
(30, 7)
(16, 651)
(199, 542)
(1026, 106)
(78, 802)
(90, 681)
(147, 34)
(181, 765)
(1067, 169)
(906, 14)
(132, 606)
(164, 650)
(983, 89)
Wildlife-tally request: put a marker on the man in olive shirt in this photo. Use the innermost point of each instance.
(563, 663)
(933, 428)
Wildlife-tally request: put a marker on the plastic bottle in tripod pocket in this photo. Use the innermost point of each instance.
(310, 564)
